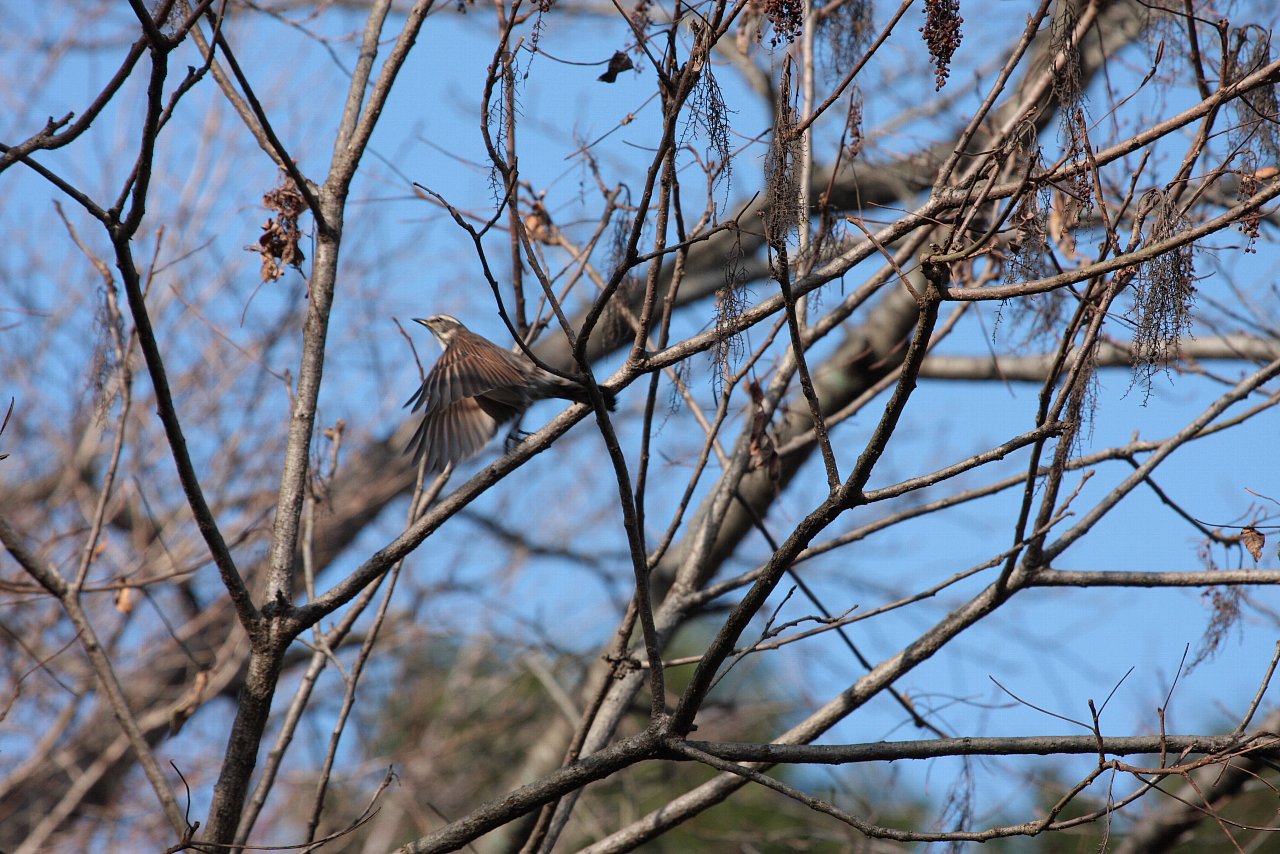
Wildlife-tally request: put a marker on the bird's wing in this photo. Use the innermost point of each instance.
(469, 366)
(450, 434)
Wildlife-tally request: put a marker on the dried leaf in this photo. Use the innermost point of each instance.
(124, 600)
(618, 63)
(764, 454)
(279, 244)
(1063, 217)
(1253, 540)
(538, 224)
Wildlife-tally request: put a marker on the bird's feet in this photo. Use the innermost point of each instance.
(514, 438)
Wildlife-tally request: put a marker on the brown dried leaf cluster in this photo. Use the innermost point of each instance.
(538, 224)
(764, 453)
(853, 133)
(278, 246)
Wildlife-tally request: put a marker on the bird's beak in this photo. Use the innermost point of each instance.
(422, 321)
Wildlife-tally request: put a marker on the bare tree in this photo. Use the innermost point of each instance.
(915, 322)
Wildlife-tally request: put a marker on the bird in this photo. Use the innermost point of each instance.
(473, 389)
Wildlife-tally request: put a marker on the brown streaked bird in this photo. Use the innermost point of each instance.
(473, 389)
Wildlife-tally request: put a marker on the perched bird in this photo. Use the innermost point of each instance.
(473, 389)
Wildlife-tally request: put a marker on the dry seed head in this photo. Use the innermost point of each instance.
(942, 34)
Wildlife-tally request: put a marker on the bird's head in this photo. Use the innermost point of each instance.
(443, 326)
